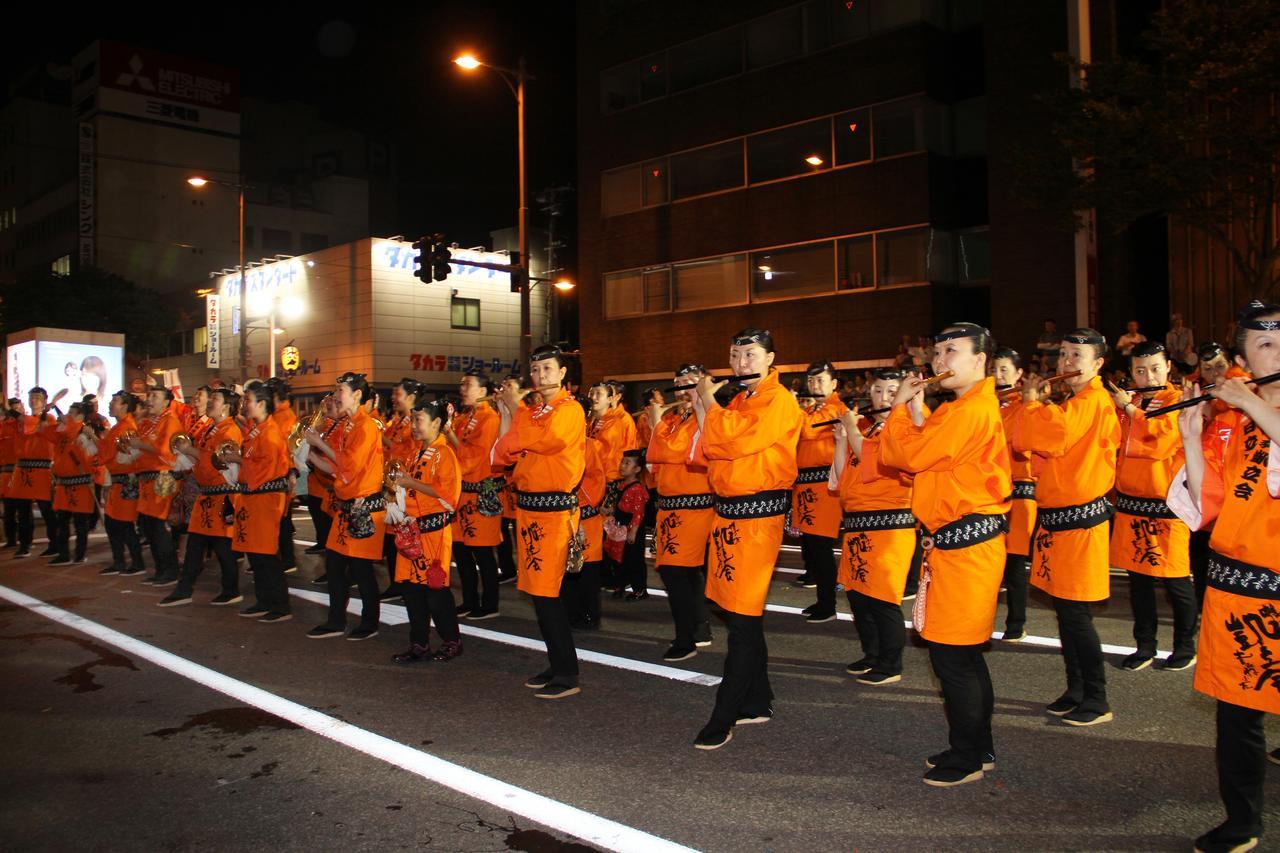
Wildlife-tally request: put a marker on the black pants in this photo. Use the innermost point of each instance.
(162, 551)
(820, 566)
(581, 593)
(389, 554)
(969, 700)
(10, 521)
(1142, 598)
(553, 624)
(336, 567)
(477, 569)
(123, 537)
(1199, 554)
(880, 630)
(744, 689)
(686, 593)
(82, 521)
(635, 571)
(1242, 769)
(288, 559)
(1082, 654)
(426, 604)
(320, 519)
(269, 585)
(1016, 576)
(913, 573)
(27, 522)
(193, 563)
(506, 551)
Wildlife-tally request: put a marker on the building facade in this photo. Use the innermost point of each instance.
(826, 170)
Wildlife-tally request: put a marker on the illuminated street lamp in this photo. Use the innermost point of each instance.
(515, 79)
(564, 285)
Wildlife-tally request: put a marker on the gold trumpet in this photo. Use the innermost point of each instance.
(222, 449)
(391, 472)
(122, 441)
(297, 436)
(178, 440)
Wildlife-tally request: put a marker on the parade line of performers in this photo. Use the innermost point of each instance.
(1049, 482)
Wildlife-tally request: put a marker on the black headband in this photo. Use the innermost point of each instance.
(1260, 325)
(348, 378)
(1096, 340)
(687, 369)
(757, 337)
(961, 330)
(551, 352)
(820, 368)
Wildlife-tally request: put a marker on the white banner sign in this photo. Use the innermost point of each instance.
(212, 324)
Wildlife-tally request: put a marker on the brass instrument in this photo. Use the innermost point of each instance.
(122, 441)
(220, 451)
(391, 472)
(297, 436)
(178, 440)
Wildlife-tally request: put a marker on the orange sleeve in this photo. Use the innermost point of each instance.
(732, 434)
(668, 445)
(1213, 482)
(913, 449)
(547, 435)
(1152, 438)
(357, 453)
(1047, 429)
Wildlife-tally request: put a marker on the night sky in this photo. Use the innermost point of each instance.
(387, 74)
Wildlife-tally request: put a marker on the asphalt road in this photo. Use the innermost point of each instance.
(112, 744)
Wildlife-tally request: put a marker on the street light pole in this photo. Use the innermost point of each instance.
(526, 333)
(244, 296)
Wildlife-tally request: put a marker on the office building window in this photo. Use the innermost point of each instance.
(973, 255)
(856, 263)
(623, 294)
(275, 241)
(464, 314)
(913, 256)
(775, 38)
(707, 170)
(705, 60)
(792, 271)
(62, 266)
(912, 124)
(971, 127)
(707, 284)
(248, 235)
(621, 191)
(853, 137)
(889, 14)
(653, 77)
(313, 242)
(849, 21)
(620, 87)
(796, 150)
(657, 291)
(654, 175)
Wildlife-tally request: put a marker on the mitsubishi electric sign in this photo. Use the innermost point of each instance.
(168, 89)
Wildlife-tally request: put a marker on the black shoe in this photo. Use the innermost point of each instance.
(618, 593)
(290, 570)
(712, 738)
(9, 545)
(48, 552)
(482, 613)
(151, 579)
(988, 760)
(113, 569)
(540, 680)
(463, 611)
(1274, 756)
(860, 667)
(637, 596)
(819, 616)
(558, 691)
(414, 654)
(389, 596)
(678, 653)
(320, 580)
(753, 719)
(506, 579)
(809, 609)
(227, 598)
(315, 549)
(61, 561)
(1062, 706)
(702, 635)
(22, 552)
(582, 624)
(805, 582)
(165, 580)
(1176, 661)
(174, 599)
(1085, 717)
(1216, 841)
(323, 632)
(276, 616)
(129, 571)
(449, 650)
(879, 679)
(257, 611)
(949, 777)
(1017, 635)
(1137, 661)
(362, 634)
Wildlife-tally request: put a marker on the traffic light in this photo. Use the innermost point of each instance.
(421, 269)
(440, 257)
(517, 275)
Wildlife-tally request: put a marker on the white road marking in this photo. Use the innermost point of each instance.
(553, 813)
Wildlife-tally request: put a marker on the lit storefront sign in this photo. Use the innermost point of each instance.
(389, 255)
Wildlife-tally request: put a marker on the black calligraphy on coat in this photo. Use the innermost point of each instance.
(724, 538)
